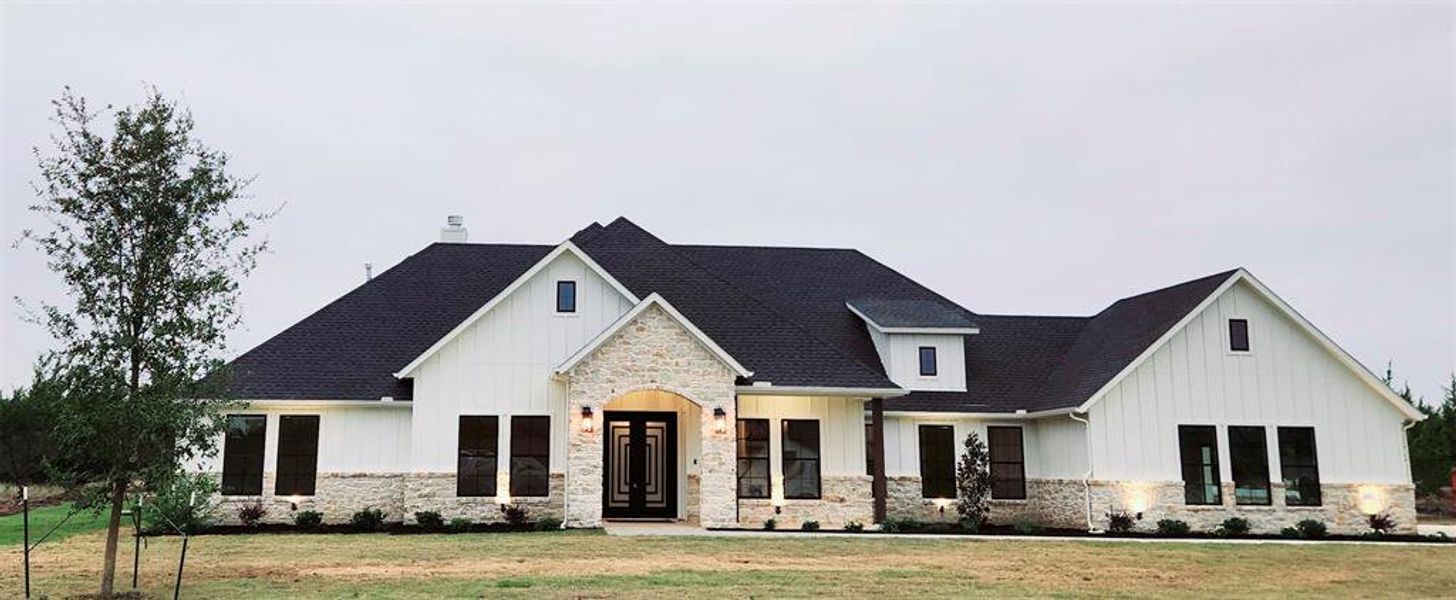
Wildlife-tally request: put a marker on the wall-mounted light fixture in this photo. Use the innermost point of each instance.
(588, 424)
(720, 420)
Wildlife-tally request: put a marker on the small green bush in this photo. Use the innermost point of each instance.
(515, 514)
(460, 524)
(1289, 532)
(308, 518)
(186, 501)
(369, 519)
(810, 526)
(1119, 522)
(901, 526)
(770, 524)
(1233, 527)
(854, 527)
(1173, 528)
(1026, 525)
(548, 524)
(251, 514)
(429, 519)
(1311, 529)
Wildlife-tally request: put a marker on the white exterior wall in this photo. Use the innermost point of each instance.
(352, 439)
(900, 353)
(502, 364)
(841, 429)
(1060, 448)
(1053, 447)
(1287, 379)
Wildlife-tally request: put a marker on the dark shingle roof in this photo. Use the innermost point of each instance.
(779, 311)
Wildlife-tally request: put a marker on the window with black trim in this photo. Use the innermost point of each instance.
(242, 455)
(566, 296)
(801, 458)
(937, 461)
(1238, 335)
(1008, 463)
(476, 464)
(530, 456)
(297, 455)
(1249, 453)
(1198, 447)
(927, 361)
(753, 459)
(1299, 465)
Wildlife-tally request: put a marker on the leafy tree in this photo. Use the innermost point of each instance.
(26, 420)
(1432, 441)
(973, 483)
(144, 236)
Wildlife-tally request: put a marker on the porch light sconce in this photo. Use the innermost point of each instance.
(720, 420)
(588, 424)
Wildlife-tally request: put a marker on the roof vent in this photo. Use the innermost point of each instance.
(454, 230)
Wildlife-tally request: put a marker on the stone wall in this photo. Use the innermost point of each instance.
(841, 500)
(652, 352)
(436, 491)
(337, 495)
(1343, 507)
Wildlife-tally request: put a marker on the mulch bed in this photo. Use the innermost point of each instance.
(1008, 530)
(337, 528)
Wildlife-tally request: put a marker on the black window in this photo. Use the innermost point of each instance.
(753, 459)
(530, 456)
(937, 461)
(1239, 335)
(801, 459)
(869, 449)
(1008, 463)
(1198, 445)
(566, 296)
(1249, 453)
(1300, 466)
(242, 455)
(927, 360)
(475, 471)
(297, 455)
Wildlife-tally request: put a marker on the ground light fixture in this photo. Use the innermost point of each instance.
(720, 420)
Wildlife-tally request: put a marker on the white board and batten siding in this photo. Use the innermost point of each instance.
(900, 353)
(1286, 379)
(841, 428)
(502, 363)
(352, 439)
(1053, 447)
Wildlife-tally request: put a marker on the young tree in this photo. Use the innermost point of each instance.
(145, 237)
(973, 483)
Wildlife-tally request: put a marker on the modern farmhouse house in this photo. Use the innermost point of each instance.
(617, 376)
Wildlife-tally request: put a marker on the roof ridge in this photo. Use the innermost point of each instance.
(938, 295)
(758, 301)
(1219, 275)
(745, 246)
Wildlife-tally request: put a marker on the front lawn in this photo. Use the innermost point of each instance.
(573, 564)
(12, 527)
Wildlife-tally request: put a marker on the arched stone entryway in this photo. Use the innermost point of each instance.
(652, 355)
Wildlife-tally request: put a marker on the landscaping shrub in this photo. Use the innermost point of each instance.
(854, 527)
(1173, 528)
(515, 514)
(810, 526)
(901, 526)
(770, 524)
(460, 524)
(1311, 529)
(967, 525)
(251, 514)
(429, 519)
(1381, 523)
(1233, 527)
(1289, 532)
(186, 502)
(1119, 522)
(973, 484)
(308, 518)
(548, 524)
(369, 519)
(1026, 525)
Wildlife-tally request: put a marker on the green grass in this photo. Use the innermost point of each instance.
(574, 564)
(12, 529)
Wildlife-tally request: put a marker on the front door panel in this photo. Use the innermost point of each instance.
(640, 458)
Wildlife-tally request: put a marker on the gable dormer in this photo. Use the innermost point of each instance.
(921, 343)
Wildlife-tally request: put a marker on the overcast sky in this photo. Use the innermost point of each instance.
(1031, 160)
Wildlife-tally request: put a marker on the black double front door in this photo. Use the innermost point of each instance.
(639, 480)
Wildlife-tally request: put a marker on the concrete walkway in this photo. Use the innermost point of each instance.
(634, 529)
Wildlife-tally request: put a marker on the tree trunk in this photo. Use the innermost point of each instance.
(113, 532)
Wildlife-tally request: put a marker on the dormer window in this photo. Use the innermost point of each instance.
(566, 296)
(1238, 335)
(927, 361)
